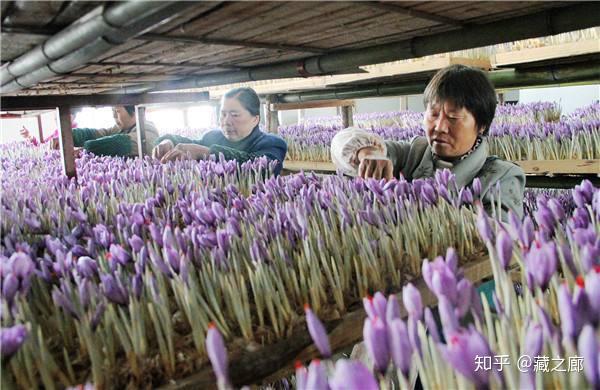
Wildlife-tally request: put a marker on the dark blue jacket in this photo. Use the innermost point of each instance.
(256, 144)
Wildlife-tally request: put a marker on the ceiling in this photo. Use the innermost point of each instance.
(212, 39)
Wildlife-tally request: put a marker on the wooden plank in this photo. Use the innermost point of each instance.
(311, 104)
(427, 64)
(65, 141)
(297, 166)
(547, 52)
(44, 101)
(403, 10)
(530, 167)
(277, 360)
(549, 167)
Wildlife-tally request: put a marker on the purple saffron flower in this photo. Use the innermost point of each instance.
(545, 218)
(534, 341)
(380, 305)
(440, 278)
(546, 322)
(583, 193)
(375, 338)
(432, 325)
(411, 297)
(462, 351)
(87, 267)
(168, 238)
(483, 226)
(400, 346)
(368, 306)
(156, 234)
(317, 376)
(413, 334)
(540, 265)
(589, 350)
(352, 375)
(102, 235)
(514, 225)
(464, 290)
(452, 260)
(10, 286)
(569, 320)
(526, 233)
(428, 194)
(447, 316)
(217, 354)
(504, 248)
(21, 264)
(465, 196)
(137, 284)
(393, 308)
(11, 339)
(136, 243)
(301, 375)
(557, 209)
(592, 289)
(113, 289)
(317, 332)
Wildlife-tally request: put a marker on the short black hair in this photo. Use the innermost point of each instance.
(130, 110)
(247, 98)
(466, 87)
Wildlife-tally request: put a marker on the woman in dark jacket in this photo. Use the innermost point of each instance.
(239, 139)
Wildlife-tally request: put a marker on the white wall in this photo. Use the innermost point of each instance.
(10, 127)
(570, 98)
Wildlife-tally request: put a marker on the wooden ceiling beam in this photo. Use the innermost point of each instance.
(165, 64)
(151, 37)
(399, 9)
(229, 42)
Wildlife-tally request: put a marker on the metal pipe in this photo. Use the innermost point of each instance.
(502, 79)
(550, 22)
(85, 39)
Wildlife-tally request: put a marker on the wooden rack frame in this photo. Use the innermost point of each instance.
(530, 167)
(540, 173)
(277, 360)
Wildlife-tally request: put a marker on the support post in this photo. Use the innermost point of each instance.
(140, 120)
(40, 130)
(186, 120)
(347, 118)
(65, 141)
(272, 116)
(403, 103)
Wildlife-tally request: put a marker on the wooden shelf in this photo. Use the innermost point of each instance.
(560, 167)
(531, 167)
(311, 104)
(547, 53)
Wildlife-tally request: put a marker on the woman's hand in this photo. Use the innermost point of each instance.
(24, 133)
(162, 148)
(373, 164)
(186, 152)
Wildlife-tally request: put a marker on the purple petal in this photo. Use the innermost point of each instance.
(317, 332)
(352, 375)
